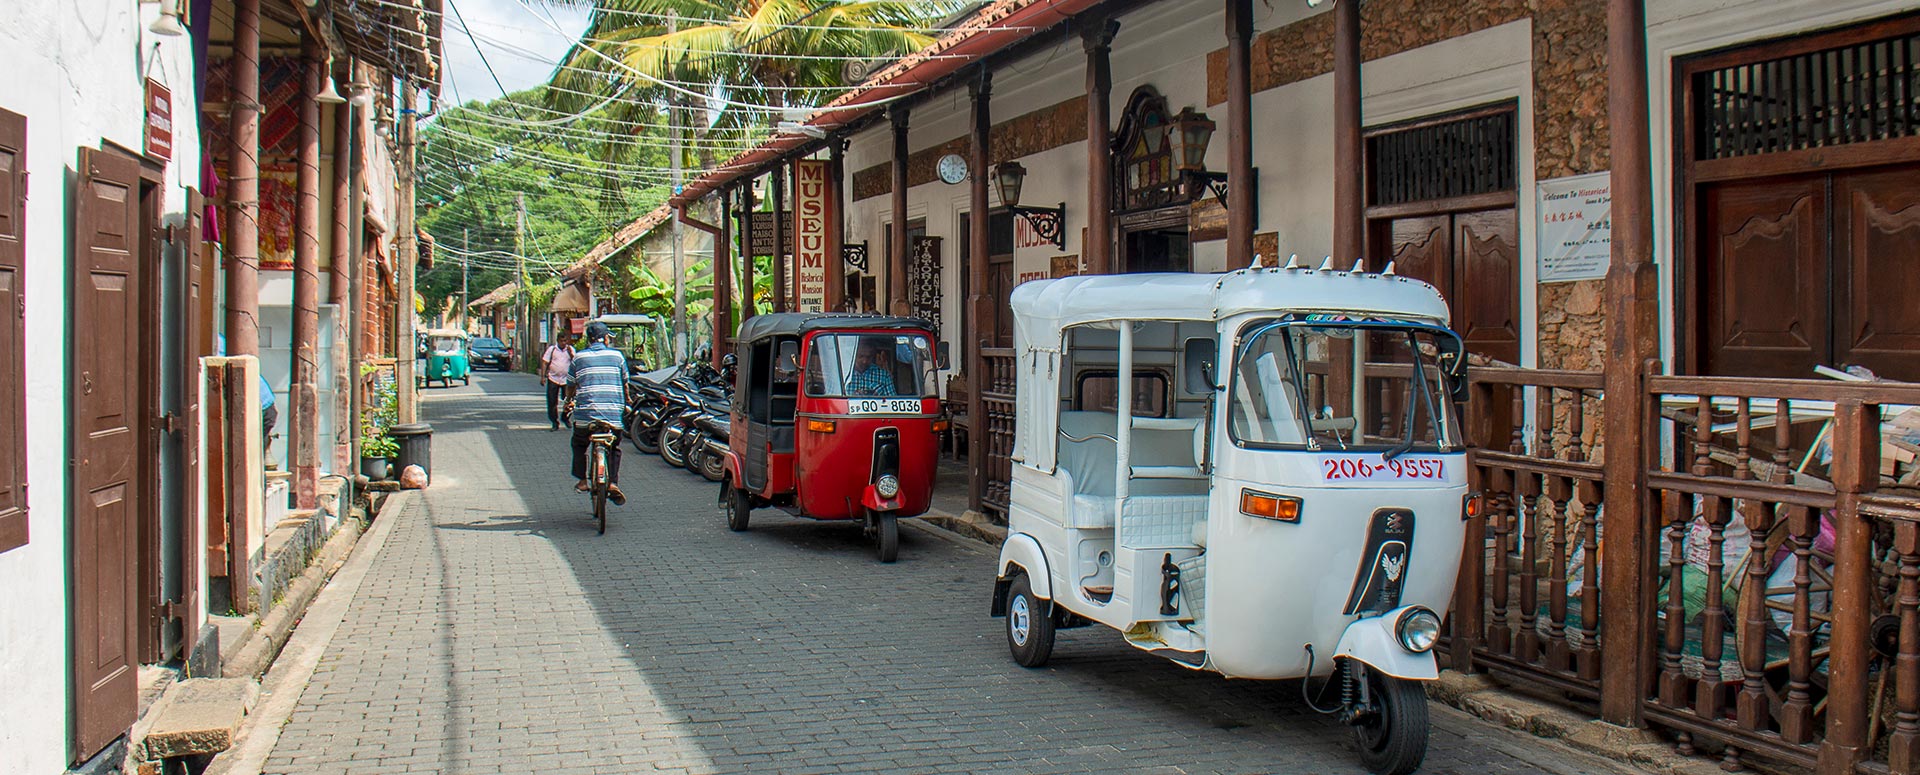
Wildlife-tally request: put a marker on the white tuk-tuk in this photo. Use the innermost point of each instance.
(1285, 498)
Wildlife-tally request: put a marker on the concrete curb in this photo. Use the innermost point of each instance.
(287, 678)
(258, 652)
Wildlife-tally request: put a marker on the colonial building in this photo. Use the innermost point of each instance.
(181, 184)
(1772, 175)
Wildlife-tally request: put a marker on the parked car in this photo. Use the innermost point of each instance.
(489, 351)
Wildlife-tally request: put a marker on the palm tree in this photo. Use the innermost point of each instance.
(776, 53)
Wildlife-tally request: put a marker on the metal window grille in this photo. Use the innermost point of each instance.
(1470, 155)
(1849, 94)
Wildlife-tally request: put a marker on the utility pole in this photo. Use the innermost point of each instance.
(409, 250)
(520, 268)
(466, 260)
(675, 165)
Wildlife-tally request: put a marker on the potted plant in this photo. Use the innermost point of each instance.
(376, 455)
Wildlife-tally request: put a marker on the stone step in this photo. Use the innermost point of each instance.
(198, 716)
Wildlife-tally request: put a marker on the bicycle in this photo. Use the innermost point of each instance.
(599, 478)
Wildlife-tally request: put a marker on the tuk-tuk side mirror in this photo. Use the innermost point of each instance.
(942, 353)
(1453, 360)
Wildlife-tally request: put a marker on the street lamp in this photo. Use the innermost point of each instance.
(1189, 133)
(1048, 222)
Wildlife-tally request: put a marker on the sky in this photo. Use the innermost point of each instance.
(521, 24)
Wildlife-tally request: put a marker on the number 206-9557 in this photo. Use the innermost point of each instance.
(1374, 469)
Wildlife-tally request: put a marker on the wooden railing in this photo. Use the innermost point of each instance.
(996, 397)
(1782, 556)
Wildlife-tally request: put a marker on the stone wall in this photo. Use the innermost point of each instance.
(1045, 129)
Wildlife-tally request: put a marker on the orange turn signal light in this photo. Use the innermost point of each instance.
(941, 425)
(820, 426)
(1475, 506)
(1264, 505)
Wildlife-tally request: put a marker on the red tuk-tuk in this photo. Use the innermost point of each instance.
(834, 417)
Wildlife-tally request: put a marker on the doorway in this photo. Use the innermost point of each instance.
(1156, 250)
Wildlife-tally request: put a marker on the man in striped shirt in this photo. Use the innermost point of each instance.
(597, 378)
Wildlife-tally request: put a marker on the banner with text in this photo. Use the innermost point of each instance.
(812, 211)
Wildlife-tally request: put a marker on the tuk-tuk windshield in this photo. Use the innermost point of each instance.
(861, 365)
(1343, 387)
(448, 344)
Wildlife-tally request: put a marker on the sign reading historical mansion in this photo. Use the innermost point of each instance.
(1576, 227)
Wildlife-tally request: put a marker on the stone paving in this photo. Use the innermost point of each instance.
(497, 632)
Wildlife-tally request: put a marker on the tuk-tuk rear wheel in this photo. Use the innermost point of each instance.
(1029, 624)
(737, 506)
(1393, 738)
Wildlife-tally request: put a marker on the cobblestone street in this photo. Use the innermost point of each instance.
(496, 632)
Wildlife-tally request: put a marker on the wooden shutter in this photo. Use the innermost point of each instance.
(13, 362)
(102, 381)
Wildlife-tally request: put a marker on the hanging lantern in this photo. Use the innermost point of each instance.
(1190, 132)
(1009, 176)
(1153, 130)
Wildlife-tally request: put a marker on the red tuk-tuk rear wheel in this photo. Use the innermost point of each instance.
(736, 504)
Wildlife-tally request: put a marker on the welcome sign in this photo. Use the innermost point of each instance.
(811, 214)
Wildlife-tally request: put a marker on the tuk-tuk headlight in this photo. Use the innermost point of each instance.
(887, 485)
(1418, 629)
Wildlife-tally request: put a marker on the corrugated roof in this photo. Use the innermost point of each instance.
(627, 235)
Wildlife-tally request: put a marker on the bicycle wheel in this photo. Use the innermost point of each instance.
(599, 471)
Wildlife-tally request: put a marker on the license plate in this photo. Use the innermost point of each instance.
(883, 406)
(1370, 468)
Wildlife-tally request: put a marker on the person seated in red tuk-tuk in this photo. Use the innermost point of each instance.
(873, 371)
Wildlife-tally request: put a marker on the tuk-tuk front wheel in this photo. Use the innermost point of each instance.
(1029, 624)
(886, 534)
(736, 504)
(1392, 733)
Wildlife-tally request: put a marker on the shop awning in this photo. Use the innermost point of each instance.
(572, 298)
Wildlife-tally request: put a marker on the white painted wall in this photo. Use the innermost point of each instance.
(76, 69)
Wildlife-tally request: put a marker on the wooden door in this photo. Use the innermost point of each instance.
(1876, 235)
(1473, 259)
(13, 365)
(193, 331)
(1764, 278)
(104, 404)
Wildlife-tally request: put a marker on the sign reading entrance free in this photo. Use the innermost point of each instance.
(812, 211)
(1575, 228)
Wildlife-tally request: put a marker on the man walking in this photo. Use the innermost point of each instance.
(555, 366)
(598, 375)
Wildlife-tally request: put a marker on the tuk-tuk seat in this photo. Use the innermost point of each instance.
(1161, 510)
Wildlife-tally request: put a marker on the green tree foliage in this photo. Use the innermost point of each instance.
(473, 161)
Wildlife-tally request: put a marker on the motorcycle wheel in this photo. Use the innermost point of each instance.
(694, 447)
(646, 438)
(713, 466)
(672, 451)
(1392, 739)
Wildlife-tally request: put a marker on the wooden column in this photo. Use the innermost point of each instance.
(340, 284)
(780, 237)
(243, 184)
(723, 280)
(1856, 470)
(747, 307)
(979, 303)
(897, 240)
(1097, 254)
(1240, 214)
(836, 226)
(303, 389)
(1349, 198)
(1626, 594)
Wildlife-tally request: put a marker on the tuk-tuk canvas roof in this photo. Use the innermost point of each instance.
(1043, 307)
(795, 323)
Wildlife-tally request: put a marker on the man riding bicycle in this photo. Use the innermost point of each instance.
(597, 380)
